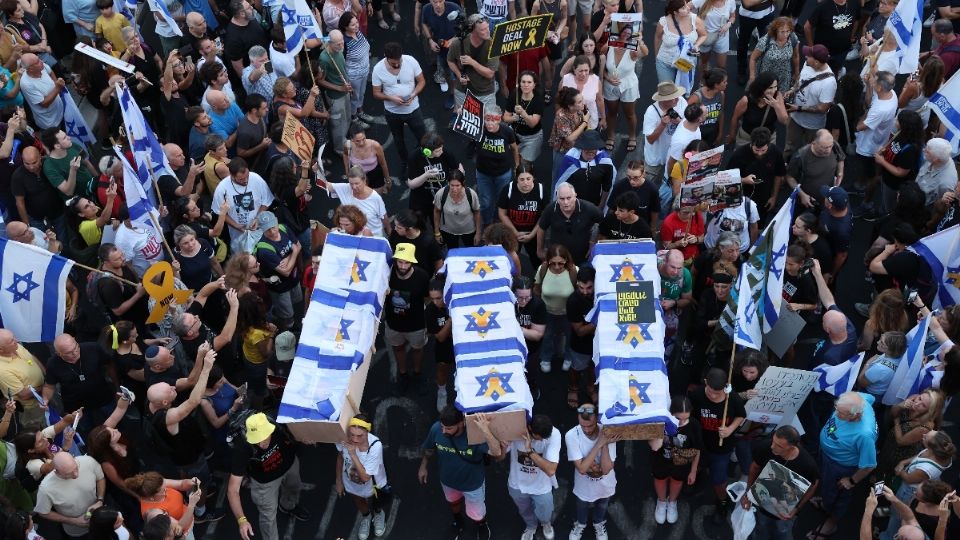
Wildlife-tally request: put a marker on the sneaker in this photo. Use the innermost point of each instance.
(661, 513)
(298, 512)
(566, 365)
(577, 531)
(441, 398)
(379, 523)
(548, 531)
(444, 87)
(439, 77)
(364, 531)
(600, 530)
(545, 366)
(862, 308)
(365, 117)
(209, 516)
(528, 534)
(672, 512)
(854, 52)
(483, 531)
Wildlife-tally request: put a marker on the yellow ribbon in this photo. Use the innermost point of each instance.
(531, 39)
(356, 422)
(165, 293)
(116, 341)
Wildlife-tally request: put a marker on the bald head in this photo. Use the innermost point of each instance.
(910, 532)
(824, 136)
(8, 342)
(161, 395)
(218, 100)
(835, 325)
(196, 23)
(174, 155)
(17, 230)
(65, 466)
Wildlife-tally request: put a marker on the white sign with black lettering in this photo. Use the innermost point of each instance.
(781, 391)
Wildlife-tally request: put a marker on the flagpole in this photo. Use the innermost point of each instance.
(309, 64)
(106, 273)
(153, 178)
(728, 389)
(162, 237)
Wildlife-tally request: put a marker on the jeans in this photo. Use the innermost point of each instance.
(835, 498)
(747, 25)
(665, 72)
(396, 123)
(359, 84)
(599, 510)
(489, 188)
(534, 509)
(743, 447)
(771, 528)
(556, 338)
(265, 497)
(339, 121)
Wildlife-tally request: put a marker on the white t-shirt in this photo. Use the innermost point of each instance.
(372, 206)
(733, 220)
(586, 488)
(525, 476)
(35, 91)
(680, 140)
(245, 201)
(879, 121)
(284, 63)
(813, 94)
(656, 153)
(401, 85)
(717, 16)
(372, 461)
(140, 244)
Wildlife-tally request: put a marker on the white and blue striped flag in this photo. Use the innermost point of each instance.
(313, 394)
(359, 265)
(906, 22)
(74, 125)
(634, 391)
(624, 262)
(299, 24)
(33, 291)
(142, 210)
(751, 284)
(910, 366)
(613, 340)
(945, 103)
(476, 270)
(165, 21)
(779, 229)
(151, 161)
(942, 252)
(336, 325)
(840, 378)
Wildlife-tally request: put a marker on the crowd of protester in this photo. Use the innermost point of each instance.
(121, 429)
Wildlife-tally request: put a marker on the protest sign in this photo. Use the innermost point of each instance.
(298, 138)
(469, 122)
(696, 192)
(519, 35)
(163, 290)
(727, 190)
(625, 30)
(781, 391)
(635, 303)
(778, 490)
(703, 164)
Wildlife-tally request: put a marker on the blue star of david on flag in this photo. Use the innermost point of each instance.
(638, 393)
(481, 268)
(482, 321)
(357, 271)
(342, 333)
(634, 334)
(494, 384)
(14, 287)
(777, 255)
(626, 271)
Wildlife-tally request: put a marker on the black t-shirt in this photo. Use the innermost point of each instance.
(168, 186)
(523, 209)
(803, 464)
(799, 289)
(495, 151)
(595, 20)
(535, 312)
(436, 319)
(649, 200)
(238, 40)
(427, 250)
(534, 106)
(184, 448)
(265, 465)
(82, 383)
(195, 272)
(578, 306)
(823, 252)
(405, 301)
(270, 253)
(839, 230)
(710, 415)
(833, 24)
(113, 293)
(292, 210)
(590, 182)
(766, 168)
(689, 437)
(910, 269)
(250, 135)
(614, 229)
(169, 376)
(39, 196)
(835, 121)
(572, 232)
(951, 4)
(421, 198)
(905, 156)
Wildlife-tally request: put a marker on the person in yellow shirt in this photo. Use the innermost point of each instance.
(19, 370)
(109, 25)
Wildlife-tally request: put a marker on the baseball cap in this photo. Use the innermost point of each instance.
(266, 220)
(836, 196)
(285, 346)
(259, 428)
(817, 52)
(406, 252)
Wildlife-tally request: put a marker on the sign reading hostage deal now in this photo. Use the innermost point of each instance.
(519, 35)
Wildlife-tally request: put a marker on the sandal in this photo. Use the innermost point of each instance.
(573, 398)
(631, 145)
(609, 145)
(818, 534)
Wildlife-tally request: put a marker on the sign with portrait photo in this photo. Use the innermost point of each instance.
(625, 31)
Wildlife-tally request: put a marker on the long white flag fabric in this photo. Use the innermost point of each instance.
(299, 24)
(624, 262)
(359, 265)
(840, 378)
(945, 103)
(151, 161)
(33, 291)
(908, 370)
(942, 252)
(477, 270)
(73, 122)
(779, 230)
(906, 22)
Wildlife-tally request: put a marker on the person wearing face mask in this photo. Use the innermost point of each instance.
(675, 459)
(592, 451)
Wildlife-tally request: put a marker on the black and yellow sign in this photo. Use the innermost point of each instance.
(519, 35)
(159, 283)
(635, 302)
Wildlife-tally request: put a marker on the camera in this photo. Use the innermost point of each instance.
(459, 20)
(674, 115)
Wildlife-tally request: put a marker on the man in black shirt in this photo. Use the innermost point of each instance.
(635, 181)
(439, 326)
(784, 448)
(243, 31)
(185, 183)
(761, 171)
(192, 331)
(625, 223)
(899, 268)
(121, 300)
(833, 25)
(80, 372)
(532, 317)
(38, 203)
(409, 286)
(581, 338)
(269, 458)
(568, 221)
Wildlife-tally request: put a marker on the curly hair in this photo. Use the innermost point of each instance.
(236, 273)
(354, 214)
(777, 24)
(498, 234)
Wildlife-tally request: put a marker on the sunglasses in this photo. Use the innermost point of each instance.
(587, 409)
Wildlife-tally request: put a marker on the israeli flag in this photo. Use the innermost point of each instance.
(299, 24)
(335, 325)
(75, 126)
(613, 339)
(840, 378)
(477, 270)
(779, 231)
(908, 370)
(624, 262)
(142, 210)
(151, 161)
(492, 384)
(634, 391)
(166, 25)
(486, 324)
(33, 291)
(906, 22)
(930, 376)
(945, 103)
(313, 393)
(751, 284)
(359, 265)
(942, 252)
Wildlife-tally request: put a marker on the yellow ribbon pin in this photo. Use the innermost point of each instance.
(165, 293)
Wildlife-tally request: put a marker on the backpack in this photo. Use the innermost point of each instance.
(445, 192)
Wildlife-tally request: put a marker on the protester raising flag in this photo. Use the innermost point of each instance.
(74, 125)
(299, 24)
(909, 368)
(751, 284)
(165, 21)
(779, 231)
(142, 211)
(946, 105)
(840, 378)
(33, 291)
(906, 22)
(149, 157)
(942, 252)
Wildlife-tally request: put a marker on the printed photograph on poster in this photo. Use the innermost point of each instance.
(704, 163)
(625, 31)
(778, 490)
(727, 190)
(696, 192)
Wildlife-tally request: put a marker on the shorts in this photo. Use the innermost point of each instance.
(626, 93)
(664, 468)
(717, 464)
(580, 361)
(282, 302)
(474, 504)
(868, 168)
(716, 43)
(417, 339)
(530, 146)
(586, 7)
